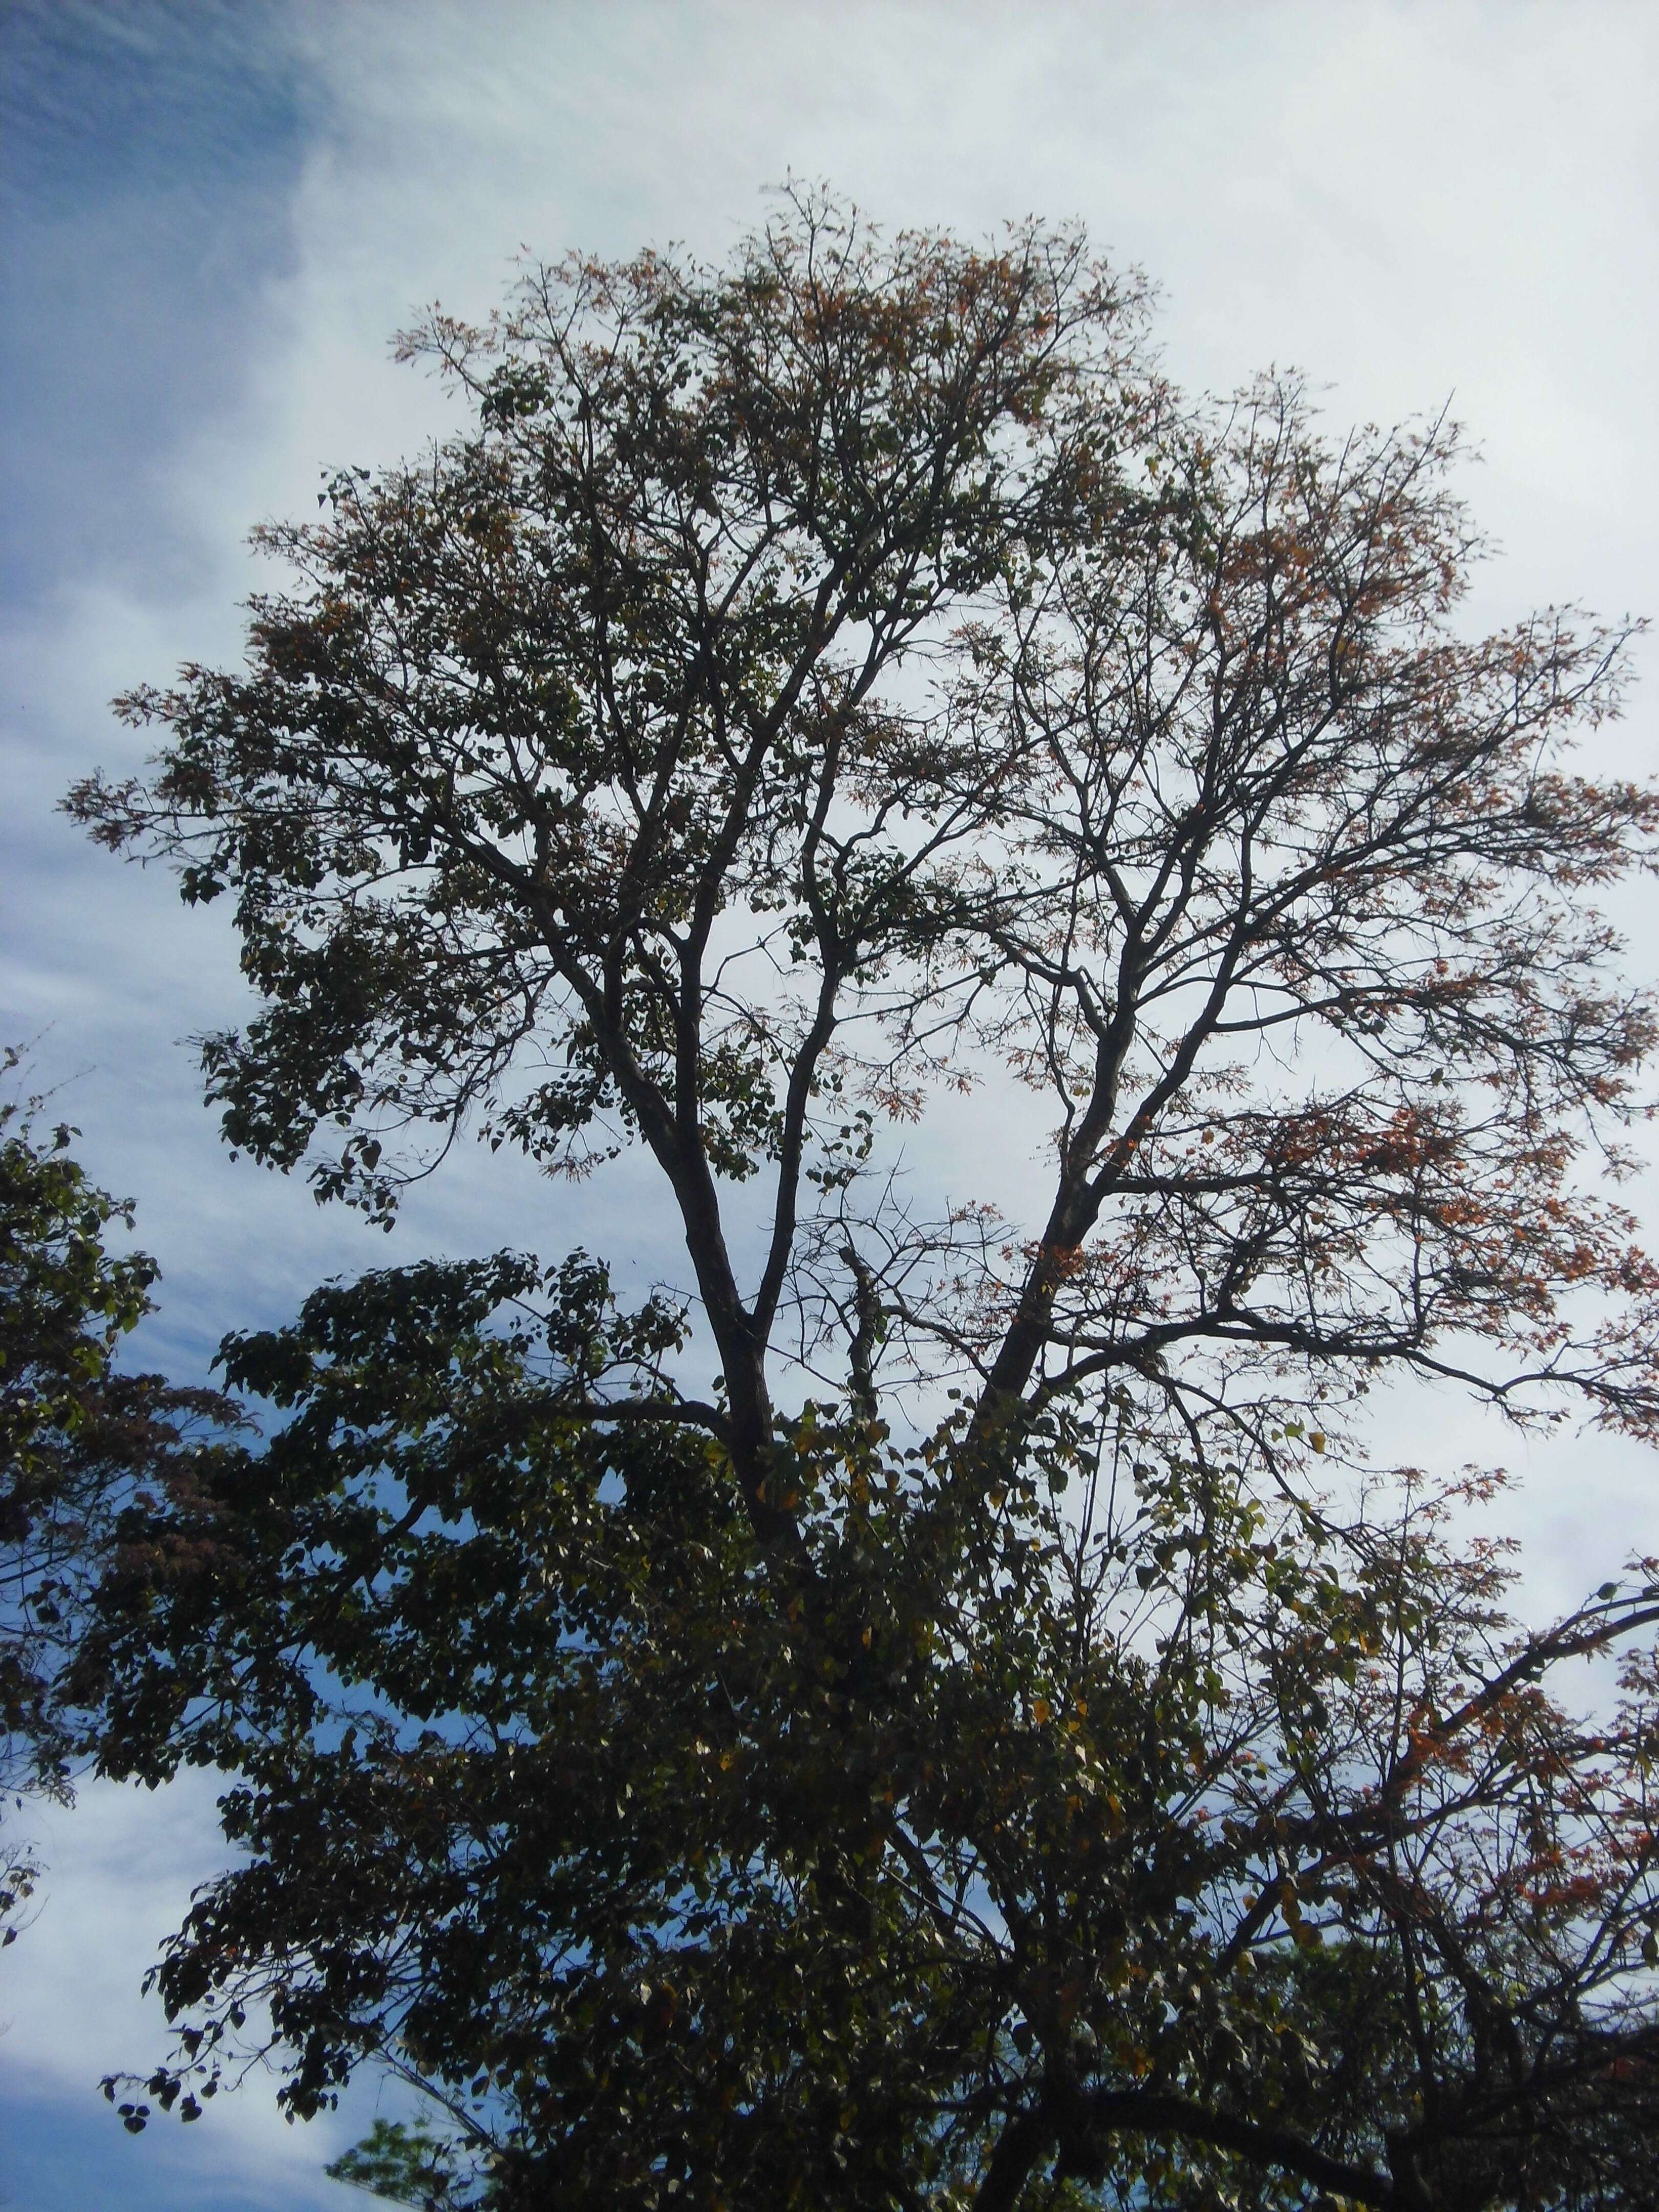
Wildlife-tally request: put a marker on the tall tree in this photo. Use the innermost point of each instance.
(704, 1744)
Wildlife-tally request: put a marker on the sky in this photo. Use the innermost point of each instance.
(214, 215)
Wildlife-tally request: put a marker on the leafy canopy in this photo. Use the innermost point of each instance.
(935, 1714)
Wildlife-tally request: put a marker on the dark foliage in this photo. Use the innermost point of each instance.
(77, 1440)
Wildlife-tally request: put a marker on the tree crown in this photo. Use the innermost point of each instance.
(804, 685)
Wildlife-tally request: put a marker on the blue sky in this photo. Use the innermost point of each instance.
(150, 155)
(216, 213)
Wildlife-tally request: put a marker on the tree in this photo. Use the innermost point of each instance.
(76, 1437)
(936, 1713)
(402, 2164)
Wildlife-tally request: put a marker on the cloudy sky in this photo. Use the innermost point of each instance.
(215, 214)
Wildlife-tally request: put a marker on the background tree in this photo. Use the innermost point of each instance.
(712, 1746)
(76, 1438)
(403, 2165)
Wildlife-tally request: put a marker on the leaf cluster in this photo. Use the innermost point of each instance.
(1145, 1837)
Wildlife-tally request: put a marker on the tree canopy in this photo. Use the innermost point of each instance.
(932, 1711)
